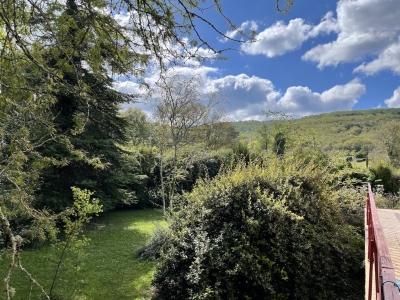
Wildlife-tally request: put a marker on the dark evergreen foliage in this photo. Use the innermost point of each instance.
(279, 144)
(203, 166)
(96, 111)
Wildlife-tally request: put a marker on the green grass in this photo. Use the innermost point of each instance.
(107, 267)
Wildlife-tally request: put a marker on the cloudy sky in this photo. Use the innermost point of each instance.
(323, 56)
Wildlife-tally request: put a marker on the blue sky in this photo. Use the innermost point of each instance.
(323, 56)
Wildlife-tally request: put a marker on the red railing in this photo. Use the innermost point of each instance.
(378, 256)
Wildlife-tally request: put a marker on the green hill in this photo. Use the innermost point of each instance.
(350, 130)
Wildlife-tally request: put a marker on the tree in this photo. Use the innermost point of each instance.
(92, 126)
(220, 134)
(390, 137)
(281, 127)
(279, 143)
(265, 134)
(138, 128)
(287, 134)
(181, 106)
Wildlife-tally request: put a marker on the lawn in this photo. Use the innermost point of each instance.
(107, 268)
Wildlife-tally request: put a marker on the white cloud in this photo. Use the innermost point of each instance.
(389, 59)
(365, 27)
(368, 15)
(279, 38)
(394, 101)
(128, 87)
(327, 25)
(248, 96)
(300, 101)
(348, 47)
(134, 88)
(243, 28)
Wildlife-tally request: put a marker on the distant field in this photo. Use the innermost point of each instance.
(107, 269)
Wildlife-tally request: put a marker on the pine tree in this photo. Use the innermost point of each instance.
(89, 119)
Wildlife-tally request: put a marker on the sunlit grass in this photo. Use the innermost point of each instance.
(106, 269)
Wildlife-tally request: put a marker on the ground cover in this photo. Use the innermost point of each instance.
(107, 268)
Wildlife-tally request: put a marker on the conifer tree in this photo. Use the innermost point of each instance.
(90, 121)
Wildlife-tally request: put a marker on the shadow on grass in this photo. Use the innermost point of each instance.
(112, 268)
(107, 267)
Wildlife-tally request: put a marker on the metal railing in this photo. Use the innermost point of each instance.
(378, 256)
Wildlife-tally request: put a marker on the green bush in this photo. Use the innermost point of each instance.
(271, 232)
(362, 154)
(242, 152)
(195, 166)
(385, 176)
(386, 200)
(152, 249)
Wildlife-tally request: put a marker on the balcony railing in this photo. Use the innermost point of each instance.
(380, 263)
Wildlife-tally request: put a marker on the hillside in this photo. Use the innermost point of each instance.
(351, 130)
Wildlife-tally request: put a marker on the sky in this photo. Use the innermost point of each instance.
(322, 56)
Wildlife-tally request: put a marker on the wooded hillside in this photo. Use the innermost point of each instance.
(345, 130)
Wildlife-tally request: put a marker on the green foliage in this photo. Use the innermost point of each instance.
(59, 123)
(279, 143)
(390, 137)
(138, 128)
(220, 135)
(242, 152)
(194, 165)
(279, 231)
(385, 176)
(386, 200)
(349, 130)
(92, 130)
(152, 250)
(74, 219)
(362, 153)
(264, 131)
(143, 162)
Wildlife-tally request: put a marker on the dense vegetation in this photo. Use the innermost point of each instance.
(248, 215)
(273, 231)
(346, 130)
(247, 222)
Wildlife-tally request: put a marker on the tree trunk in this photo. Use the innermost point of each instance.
(172, 185)
(162, 179)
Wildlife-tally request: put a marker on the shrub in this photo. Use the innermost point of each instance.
(151, 250)
(387, 201)
(242, 152)
(362, 154)
(193, 166)
(384, 176)
(271, 232)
